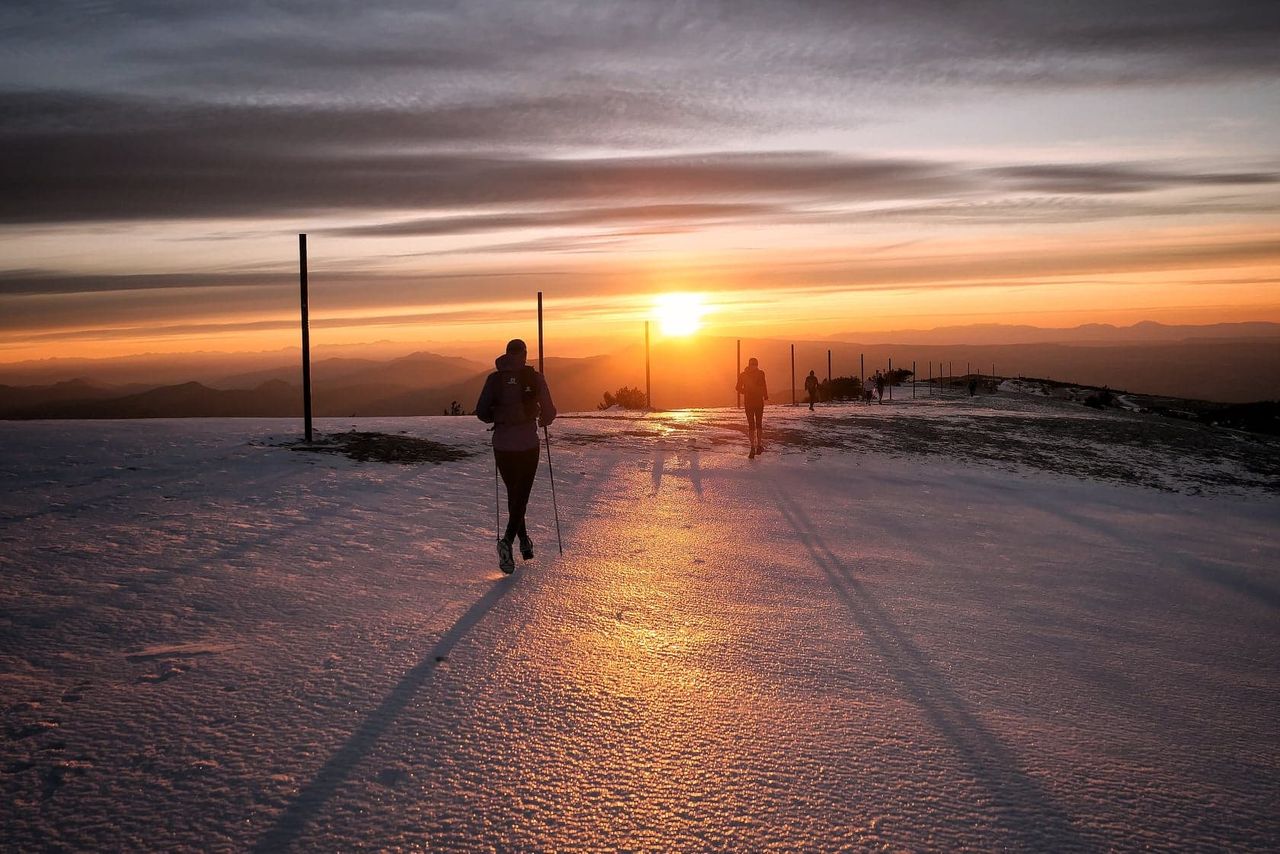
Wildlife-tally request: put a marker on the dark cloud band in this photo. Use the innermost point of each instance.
(78, 159)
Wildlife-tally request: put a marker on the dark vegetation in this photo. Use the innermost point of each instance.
(383, 448)
(626, 397)
(1260, 417)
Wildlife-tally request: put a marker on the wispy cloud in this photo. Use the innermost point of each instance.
(598, 216)
(95, 159)
(59, 304)
(715, 49)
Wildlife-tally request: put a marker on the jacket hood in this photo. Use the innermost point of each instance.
(510, 361)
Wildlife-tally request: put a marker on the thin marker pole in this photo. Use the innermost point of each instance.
(551, 472)
(648, 387)
(831, 395)
(306, 336)
(793, 375)
(913, 379)
(889, 379)
(738, 395)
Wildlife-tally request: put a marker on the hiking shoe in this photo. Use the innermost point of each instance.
(526, 547)
(506, 562)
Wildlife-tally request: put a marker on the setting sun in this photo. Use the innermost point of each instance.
(679, 314)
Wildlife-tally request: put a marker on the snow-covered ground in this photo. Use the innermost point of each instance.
(938, 625)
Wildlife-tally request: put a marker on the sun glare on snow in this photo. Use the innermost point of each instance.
(679, 314)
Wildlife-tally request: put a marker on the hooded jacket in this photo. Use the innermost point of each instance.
(501, 404)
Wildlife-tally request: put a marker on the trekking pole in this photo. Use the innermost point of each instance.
(551, 472)
(555, 509)
(497, 519)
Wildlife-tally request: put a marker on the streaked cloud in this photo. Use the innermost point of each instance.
(582, 144)
(97, 159)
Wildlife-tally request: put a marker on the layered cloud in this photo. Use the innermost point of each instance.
(589, 132)
(732, 46)
(90, 158)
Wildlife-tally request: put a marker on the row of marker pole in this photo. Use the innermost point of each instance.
(648, 377)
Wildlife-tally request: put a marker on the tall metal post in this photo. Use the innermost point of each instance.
(889, 379)
(913, 379)
(306, 336)
(648, 388)
(793, 375)
(551, 472)
(738, 395)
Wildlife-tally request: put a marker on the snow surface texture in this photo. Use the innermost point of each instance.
(961, 625)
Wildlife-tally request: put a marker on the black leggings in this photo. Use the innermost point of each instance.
(755, 416)
(518, 469)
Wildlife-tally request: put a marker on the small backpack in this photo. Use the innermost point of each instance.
(517, 396)
(753, 383)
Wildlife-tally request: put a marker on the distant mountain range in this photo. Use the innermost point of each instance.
(697, 371)
(1145, 332)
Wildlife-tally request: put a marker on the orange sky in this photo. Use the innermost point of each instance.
(1175, 276)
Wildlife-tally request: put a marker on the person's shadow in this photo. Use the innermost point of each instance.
(694, 472)
(1027, 814)
(312, 798)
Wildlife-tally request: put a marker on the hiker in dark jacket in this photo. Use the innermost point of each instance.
(754, 391)
(515, 400)
(811, 386)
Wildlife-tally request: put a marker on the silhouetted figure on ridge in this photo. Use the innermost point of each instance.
(811, 386)
(754, 391)
(515, 400)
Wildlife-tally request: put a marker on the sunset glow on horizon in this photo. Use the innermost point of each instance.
(848, 171)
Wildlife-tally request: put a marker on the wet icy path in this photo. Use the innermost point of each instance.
(814, 650)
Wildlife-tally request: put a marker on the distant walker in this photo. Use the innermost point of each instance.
(754, 391)
(811, 387)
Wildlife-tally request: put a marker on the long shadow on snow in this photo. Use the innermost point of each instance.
(1021, 807)
(325, 784)
(316, 794)
(1210, 570)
